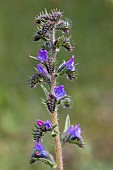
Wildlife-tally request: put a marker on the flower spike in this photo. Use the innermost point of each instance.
(73, 135)
(51, 33)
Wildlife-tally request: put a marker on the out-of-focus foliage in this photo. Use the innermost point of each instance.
(92, 92)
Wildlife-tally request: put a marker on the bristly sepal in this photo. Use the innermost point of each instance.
(72, 134)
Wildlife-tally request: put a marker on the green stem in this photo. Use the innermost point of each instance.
(58, 149)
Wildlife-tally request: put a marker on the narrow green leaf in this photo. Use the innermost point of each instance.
(45, 91)
(67, 123)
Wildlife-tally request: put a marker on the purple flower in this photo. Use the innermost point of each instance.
(41, 69)
(40, 123)
(70, 64)
(59, 92)
(47, 124)
(42, 55)
(39, 147)
(75, 132)
(40, 150)
(74, 135)
(70, 130)
(40, 154)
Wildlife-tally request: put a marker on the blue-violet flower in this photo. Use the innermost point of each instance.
(70, 64)
(59, 92)
(43, 155)
(40, 151)
(39, 147)
(41, 69)
(48, 125)
(42, 55)
(74, 135)
(74, 132)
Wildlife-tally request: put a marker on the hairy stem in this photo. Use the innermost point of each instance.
(58, 149)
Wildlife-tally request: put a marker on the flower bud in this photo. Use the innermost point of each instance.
(51, 103)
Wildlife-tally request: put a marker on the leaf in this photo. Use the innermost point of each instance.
(67, 123)
(45, 91)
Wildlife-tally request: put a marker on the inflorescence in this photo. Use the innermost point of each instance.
(46, 68)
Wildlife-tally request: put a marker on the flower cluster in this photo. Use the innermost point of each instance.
(40, 154)
(67, 68)
(46, 74)
(73, 135)
(41, 129)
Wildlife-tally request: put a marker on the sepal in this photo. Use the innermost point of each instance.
(54, 132)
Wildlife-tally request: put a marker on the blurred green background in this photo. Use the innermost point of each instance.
(92, 92)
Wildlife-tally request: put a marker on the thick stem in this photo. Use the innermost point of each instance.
(59, 159)
(58, 149)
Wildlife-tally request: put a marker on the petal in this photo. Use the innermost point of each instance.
(59, 92)
(70, 64)
(78, 131)
(44, 154)
(38, 147)
(48, 124)
(70, 130)
(41, 69)
(42, 55)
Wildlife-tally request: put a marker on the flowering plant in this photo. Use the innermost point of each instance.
(46, 75)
